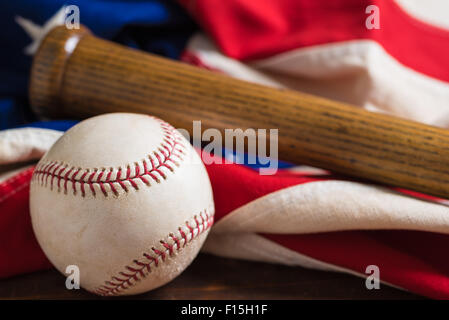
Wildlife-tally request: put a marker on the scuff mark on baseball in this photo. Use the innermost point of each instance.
(125, 198)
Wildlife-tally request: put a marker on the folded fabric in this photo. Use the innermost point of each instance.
(326, 49)
(299, 216)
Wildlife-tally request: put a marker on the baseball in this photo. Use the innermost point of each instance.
(126, 199)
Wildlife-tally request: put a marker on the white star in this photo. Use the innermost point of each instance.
(37, 33)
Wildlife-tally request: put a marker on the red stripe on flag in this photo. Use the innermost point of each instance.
(247, 29)
(236, 185)
(416, 261)
(19, 250)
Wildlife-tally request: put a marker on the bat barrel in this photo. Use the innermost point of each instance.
(90, 76)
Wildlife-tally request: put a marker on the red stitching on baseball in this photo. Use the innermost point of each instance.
(73, 180)
(190, 229)
(136, 272)
(66, 178)
(171, 147)
(169, 247)
(91, 184)
(183, 235)
(47, 167)
(159, 253)
(176, 240)
(59, 174)
(156, 262)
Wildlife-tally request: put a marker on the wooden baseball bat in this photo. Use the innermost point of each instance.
(78, 75)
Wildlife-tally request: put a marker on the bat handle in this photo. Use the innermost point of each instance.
(48, 68)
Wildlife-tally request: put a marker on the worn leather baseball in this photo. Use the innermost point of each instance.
(125, 198)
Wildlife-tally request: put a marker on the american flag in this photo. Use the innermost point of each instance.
(300, 216)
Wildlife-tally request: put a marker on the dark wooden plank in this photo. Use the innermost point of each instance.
(211, 277)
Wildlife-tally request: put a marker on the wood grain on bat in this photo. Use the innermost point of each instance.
(100, 76)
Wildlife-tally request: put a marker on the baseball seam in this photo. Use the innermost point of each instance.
(139, 269)
(152, 168)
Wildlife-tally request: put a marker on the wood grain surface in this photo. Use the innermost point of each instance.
(77, 75)
(211, 277)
